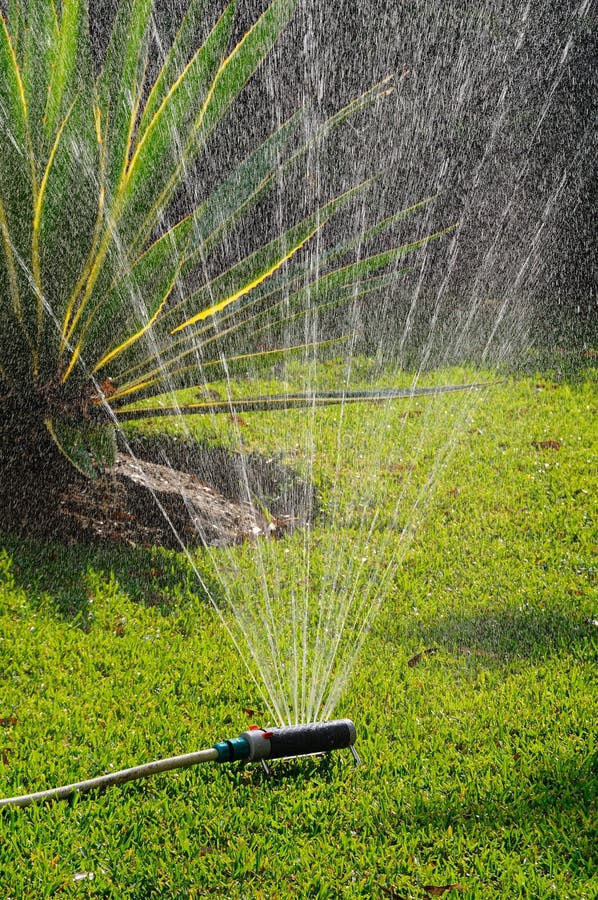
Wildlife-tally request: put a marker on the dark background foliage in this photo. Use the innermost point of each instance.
(494, 107)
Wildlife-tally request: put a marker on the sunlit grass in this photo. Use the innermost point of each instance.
(480, 757)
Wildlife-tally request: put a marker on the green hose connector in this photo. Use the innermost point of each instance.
(230, 751)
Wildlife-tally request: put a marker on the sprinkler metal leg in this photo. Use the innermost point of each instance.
(355, 755)
(356, 759)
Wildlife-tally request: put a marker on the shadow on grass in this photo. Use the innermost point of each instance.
(559, 802)
(154, 577)
(573, 366)
(496, 636)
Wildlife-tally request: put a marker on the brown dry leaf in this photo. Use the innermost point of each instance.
(107, 387)
(147, 573)
(437, 890)
(390, 892)
(546, 445)
(415, 660)
(8, 720)
(122, 516)
(395, 468)
(250, 713)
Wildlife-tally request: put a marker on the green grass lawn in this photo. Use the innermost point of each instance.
(480, 763)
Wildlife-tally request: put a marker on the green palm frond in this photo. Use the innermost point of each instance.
(292, 400)
(89, 167)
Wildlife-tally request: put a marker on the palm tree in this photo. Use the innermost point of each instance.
(103, 300)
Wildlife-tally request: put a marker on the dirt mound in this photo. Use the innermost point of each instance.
(147, 503)
(144, 502)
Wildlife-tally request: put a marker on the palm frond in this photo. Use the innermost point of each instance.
(168, 138)
(120, 86)
(182, 49)
(93, 285)
(40, 51)
(298, 400)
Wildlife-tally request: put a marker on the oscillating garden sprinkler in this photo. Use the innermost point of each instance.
(288, 742)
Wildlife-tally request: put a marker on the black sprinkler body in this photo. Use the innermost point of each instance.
(319, 737)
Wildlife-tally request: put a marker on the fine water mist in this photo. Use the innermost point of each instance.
(490, 113)
(484, 111)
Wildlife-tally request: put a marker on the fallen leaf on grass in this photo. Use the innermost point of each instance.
(8, 720)
(390, 892)
(546, 445)
(121, 516)
(394, 468)
(432, 890)
(415, 660)
(437, 890)
(250, 713)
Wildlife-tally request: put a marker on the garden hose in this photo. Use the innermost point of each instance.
(254, 744)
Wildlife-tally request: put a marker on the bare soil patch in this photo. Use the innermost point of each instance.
(216, 498)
